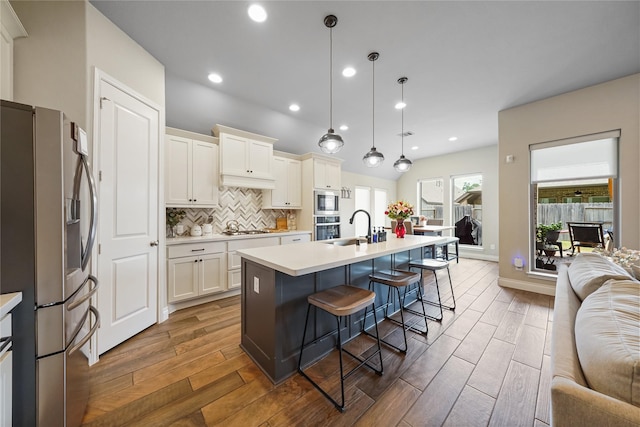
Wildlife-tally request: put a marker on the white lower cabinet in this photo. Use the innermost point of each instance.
(6, 368)
(234, 261)
(196, 269)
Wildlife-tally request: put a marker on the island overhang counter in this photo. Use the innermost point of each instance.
(276, 281)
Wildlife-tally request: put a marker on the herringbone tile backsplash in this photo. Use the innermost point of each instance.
(241, 204)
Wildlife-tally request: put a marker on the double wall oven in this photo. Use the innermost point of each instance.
(326, 215)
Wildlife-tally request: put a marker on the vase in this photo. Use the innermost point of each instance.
(171, 231)
(400, 230)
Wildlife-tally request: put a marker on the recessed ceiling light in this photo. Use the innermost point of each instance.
(400, 105)
(294, 107)
(215, 78)
(349, 72)
(257, 13)
(344, 127)
(415, 147)
(453, 138)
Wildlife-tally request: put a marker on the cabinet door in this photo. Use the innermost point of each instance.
(177, 171)
(332, 175)
(182, 278)
(319, 173)
(205, 173)
(6, 391)
(260, 159)
(213, 273)
(279, 197)
(235, 279)
(233, 155)
(294, 183)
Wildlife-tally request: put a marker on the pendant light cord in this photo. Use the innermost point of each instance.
(402, 120)
(373, 107)
(331, 78)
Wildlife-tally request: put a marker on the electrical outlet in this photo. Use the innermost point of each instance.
(256, 285)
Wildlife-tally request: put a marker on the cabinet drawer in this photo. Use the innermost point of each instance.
(234, 245)
(191, 249)
(300, 238)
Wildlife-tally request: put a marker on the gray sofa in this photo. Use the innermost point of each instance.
(575, 401)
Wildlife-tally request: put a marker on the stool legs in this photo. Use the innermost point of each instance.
(340, 406)
(439, 304)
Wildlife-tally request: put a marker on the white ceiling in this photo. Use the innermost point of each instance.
(465, 61)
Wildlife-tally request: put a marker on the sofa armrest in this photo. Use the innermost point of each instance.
(575, 405)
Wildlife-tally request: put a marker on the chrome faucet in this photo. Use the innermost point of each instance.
(368, 225)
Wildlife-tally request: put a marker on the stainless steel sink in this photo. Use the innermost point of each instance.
(346, 242)
(239, 232)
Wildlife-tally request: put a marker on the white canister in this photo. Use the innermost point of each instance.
(196, 230)
(180, 229)
(207, 229)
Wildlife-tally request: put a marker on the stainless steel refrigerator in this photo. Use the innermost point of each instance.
(48, 227)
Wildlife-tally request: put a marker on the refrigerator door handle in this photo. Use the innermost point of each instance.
(86, 296)
(87, 337)
(83, 163)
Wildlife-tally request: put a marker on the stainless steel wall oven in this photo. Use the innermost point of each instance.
(326, 227)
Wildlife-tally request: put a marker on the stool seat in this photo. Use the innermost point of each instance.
(429, 264)
(342, 300)
(395, 277)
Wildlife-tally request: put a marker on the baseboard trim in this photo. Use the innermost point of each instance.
(164, 314)
(480, 256)
(197, 301)
(538, 288)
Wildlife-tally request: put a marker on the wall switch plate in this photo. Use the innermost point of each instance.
(256, 285)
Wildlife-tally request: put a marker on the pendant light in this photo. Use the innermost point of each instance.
(402, 164)
(330, 142)
(373, 158)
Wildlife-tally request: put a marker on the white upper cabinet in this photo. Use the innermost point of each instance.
(246, 159)
(288, 191)
(326, 174)
(191, 172)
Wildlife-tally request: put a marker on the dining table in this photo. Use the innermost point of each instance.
(433, 229)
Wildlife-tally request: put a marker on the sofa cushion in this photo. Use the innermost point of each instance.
(589, 271)
(608, 340)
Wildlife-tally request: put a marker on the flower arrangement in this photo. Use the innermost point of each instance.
(174, 216)
(399, 210)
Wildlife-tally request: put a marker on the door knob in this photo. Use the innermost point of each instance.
(154, 243)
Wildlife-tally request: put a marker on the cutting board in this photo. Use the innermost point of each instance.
(281, 223)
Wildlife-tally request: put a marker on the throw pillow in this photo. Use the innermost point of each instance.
(589, 271)
(608, 340)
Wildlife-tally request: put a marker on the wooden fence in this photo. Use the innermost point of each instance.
(549, 213)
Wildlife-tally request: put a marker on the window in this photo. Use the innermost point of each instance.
(581, 173)
(467, 208)
(431, 198)
(375, 207)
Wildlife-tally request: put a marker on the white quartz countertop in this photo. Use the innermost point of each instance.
(8, 302)
(223, 237)
(305, 258)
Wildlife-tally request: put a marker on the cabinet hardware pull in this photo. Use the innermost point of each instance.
(154, 243)
(197, 250)
(296, 240)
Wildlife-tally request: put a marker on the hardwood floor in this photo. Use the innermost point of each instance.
(487, 363)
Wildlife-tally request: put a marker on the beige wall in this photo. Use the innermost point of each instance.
(50, 64)
(482, 160)
(115, 53)
(607, 106)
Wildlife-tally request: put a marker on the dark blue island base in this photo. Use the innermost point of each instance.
(273, 317)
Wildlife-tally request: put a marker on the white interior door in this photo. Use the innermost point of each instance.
(128, 215)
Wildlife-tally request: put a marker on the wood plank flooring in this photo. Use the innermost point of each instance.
(486, 363)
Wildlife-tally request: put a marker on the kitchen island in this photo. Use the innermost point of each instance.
(276, 281)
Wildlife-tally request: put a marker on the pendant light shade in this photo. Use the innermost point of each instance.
(402, 164)
(330, 142)
(373, 158)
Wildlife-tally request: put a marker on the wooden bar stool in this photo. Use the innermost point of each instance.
(396, 279)
(434, 265)
(341, 301)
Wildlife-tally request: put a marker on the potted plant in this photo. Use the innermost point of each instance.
(546, 233)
